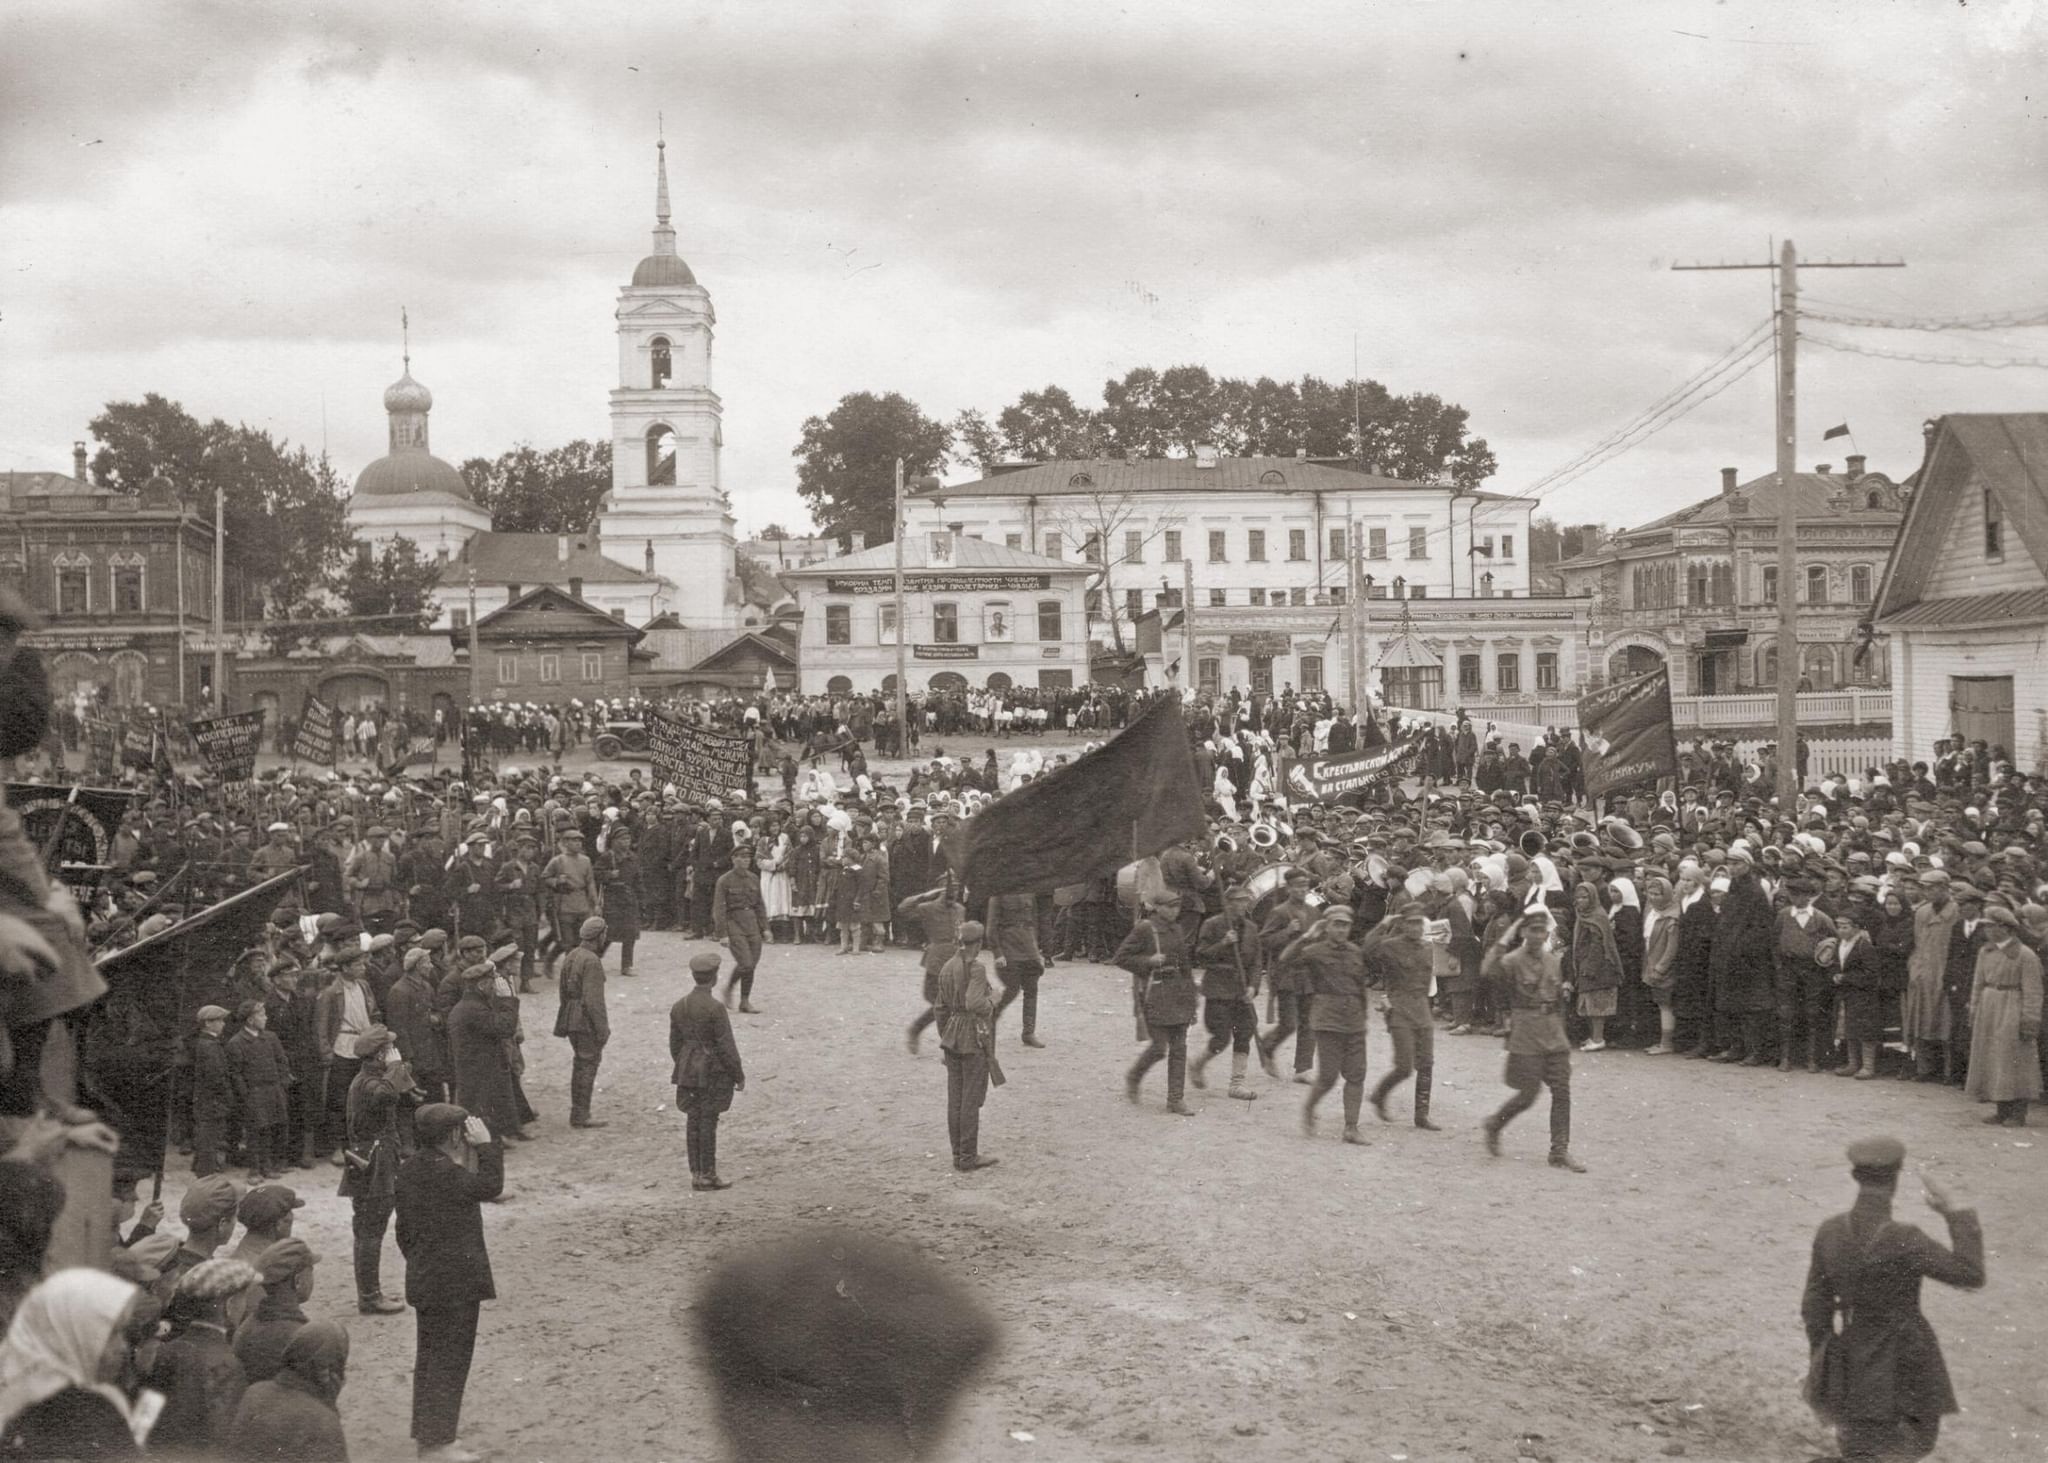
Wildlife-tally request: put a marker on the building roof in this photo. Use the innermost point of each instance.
(1180, 475)
(663, 270)
(1405, 652)
(411, 472)
(553, 610)
(1972, 611)
(727, 654)
(967, 553)
(2003, 453)
(543, 558)
(1819, 495)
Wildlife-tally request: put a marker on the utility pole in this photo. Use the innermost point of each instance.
(902, 726)
(220, 559)
(1354, 592)
(1787, 265)
(476, 664)
(1187, 623)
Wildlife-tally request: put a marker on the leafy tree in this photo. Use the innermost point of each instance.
(846, 461)
(775, 533)
(530, 491)
(1041, 425)
(976, 443)
(284, 509)
(391, 588)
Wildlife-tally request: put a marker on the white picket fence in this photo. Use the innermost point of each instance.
(1826, 757)
(1854, 706)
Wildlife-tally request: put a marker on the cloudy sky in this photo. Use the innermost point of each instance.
(228, 203)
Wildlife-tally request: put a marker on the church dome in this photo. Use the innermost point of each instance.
(406, 394)
(411, 472)
(663, 270)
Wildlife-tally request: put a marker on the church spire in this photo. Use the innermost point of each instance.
(664, 235)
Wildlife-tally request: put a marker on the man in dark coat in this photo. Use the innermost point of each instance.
(440, 1195)
(410, 1012)
(480, 1031)
(292, 1415)
(583, 1019)
(910, 870)
(1691, 993)
(1743, 963)
(1881, 1380)
(369, 1174)
(707, 1069)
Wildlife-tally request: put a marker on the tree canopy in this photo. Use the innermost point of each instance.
(391, 589)
(528, 490)
(846, 461)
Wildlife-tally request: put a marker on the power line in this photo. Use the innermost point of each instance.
(2002, 320)
(1987, 362)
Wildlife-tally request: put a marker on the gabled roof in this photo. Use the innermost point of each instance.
(2004, 452)
(1405, 652)
(966, 553)
(544, 558)
(1756, 501)
(725, 655)
(554, 610)
(1181, 475)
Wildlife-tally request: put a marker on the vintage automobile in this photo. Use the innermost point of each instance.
(621, 739)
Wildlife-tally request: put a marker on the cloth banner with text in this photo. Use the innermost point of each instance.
(228, 744)
(82, 827)
(702, 761)
(1628, 734)
(316, 734)
(1327, 776)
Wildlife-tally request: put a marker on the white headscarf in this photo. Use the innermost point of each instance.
(56, 1340)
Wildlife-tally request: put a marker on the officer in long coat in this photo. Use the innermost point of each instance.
(1743, 960)
(1880, 1379)
(707, 1069)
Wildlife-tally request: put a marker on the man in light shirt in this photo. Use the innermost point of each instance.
(344, 1011)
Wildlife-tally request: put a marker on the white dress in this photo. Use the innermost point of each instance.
(775, 891)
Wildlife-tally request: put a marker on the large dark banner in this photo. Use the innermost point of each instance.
(228, 744)
(315, 739)
(84, 826)
(1126, 800)
(701, 761)
(1628, 734)
(1327, 776)
(138, 746)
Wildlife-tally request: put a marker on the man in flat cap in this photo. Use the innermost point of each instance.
(440, 1193)
(707, 1068)
(837, 1345)
(372, 876)
(582, 1018)
(208, 1212)
(1880, 1380)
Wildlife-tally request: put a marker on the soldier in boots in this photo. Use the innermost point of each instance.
(1399, 961)
(1228, 950)
(1539, 1052)
(1157, 959)
(582, 1018)
(1332, 971)
(1012, 933)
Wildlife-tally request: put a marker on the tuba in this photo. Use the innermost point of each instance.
(1264, 836)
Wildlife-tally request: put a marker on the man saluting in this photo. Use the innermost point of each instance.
(1880, 1380)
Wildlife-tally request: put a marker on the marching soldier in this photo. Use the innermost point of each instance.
(707, 1068)
(1332, 971)
(966, 1014)
(1012, 926)
(1157, 959)
(1284, 926)
(1228, 950)
(518, 891)
(739, 914)
(1400, 963)
(1539, 1052)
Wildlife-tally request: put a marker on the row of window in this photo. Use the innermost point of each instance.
(1507, 672)
(75, 584)
(1257, 543)
(592, 667)
(998, 623)
(1655, 586)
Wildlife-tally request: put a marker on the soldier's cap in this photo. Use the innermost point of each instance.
(504, 953)
(279, 828)
(471, 942)
(285, 1259)
(1879, 1154)
(704, 965)
(208, 1201)
(437, 1120)
(370, 1042)
(212, 1013)
(475, 838)
(971, 929)
(434, 939)
(263, 1206)
(591, 927)
(377, 830)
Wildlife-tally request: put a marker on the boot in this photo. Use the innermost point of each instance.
(1180, 1109)
(1201, 1060)
(1562, 1158)
(1352, 1135)
(1422, 1109)
(1238, 1062)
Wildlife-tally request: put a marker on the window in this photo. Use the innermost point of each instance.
(1994, 527)
(550, 669)
(508, 670)
(1210, 676)
(593, 665)
(1134, 603)
(1091, 602)
(1375, 591)
(1258, 596)
(945, 624)
(1052, 546)
(658, 362)
(1418, 542)
(1218, 599)
(1013, 540)
(1770, 584)
(839, 685)
(1420, 591)
(1297, 544)
(661, 456)
(1546, 670)
(1859, 584)
(1297, 596)
(1336, 593)
(1173, 546)
(1400, 586)
(74, 584)
(839, 624)
(1468, 673)
(1507, 546)
(1216, 546)
(885, 624)
(1817, 585)
(1262, 675)
(1337, 544)
(1091, 548)
(1255, 545)
(128, 585)
(1375, 543)
(1507, 673)
(461, 619)
(1486, 585)
(618, 612)
(1134, 546)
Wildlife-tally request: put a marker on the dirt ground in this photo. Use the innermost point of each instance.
(1216, 1287)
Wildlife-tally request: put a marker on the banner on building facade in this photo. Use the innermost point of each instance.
(938, 583)
(1327, 776)
(702, 761)
(73, 828)
(1628, 734)
(314, 741)
(945, 652)
(227, 744)
(1268, 644)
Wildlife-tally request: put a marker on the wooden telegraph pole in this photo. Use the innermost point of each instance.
(1355, 620)
(1787, 265)
(902, 631)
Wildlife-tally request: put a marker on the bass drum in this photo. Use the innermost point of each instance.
(1269, 889)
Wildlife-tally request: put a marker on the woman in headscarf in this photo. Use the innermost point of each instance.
(806, 877)
(771, 856)
(1891, 937)
(1625, 916)
(293, 1414)
(1691, 990)
(1660, 958)
(1596, 964)
(67, 1369)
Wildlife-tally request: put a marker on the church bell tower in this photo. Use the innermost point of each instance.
(667, 508)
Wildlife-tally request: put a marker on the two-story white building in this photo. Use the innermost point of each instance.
(1255, 531)
(975, 614)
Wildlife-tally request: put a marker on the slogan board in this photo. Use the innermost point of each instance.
(1628, 734)
(938, 583)
(86, 838)
(945, 652)
(138, 746)
(315, 739)
(228, 744)
(1327, 776)
(701, 761)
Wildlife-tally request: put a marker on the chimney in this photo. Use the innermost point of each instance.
(1855, 466)
(561, 548)
(575, 587)
(1727, 479)
(78, 461)
(956, 531)
(1823, 468)
(1301, 454)
(855, 541)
